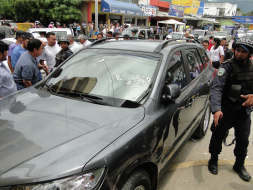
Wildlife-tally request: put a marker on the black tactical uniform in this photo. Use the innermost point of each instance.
(62, 56)
(232, 80)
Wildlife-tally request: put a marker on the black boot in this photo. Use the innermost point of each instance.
(240, 169)
(213, 164)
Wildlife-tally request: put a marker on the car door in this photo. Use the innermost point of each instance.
(200, 79)
(176, 116)
(148, 33)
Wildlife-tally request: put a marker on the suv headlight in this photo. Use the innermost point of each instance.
(86, 181)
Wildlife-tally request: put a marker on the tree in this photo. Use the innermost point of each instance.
(59, 10)
(238, 9)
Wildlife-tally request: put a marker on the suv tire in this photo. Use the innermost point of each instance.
(204, 123)
(137, 180)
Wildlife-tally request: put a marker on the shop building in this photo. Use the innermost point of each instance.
(112, 10)
(220, 9)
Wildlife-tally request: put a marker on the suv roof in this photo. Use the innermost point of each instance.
(140, 45)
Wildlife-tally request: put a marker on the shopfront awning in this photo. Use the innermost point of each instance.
(119, 7)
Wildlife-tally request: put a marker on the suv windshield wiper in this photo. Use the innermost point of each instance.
(94, 99)
(49, 87)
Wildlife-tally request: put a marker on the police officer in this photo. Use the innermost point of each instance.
(62, 55)
(234, 78)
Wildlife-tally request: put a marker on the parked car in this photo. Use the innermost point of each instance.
(11, 22)
(58, 31)
(128, 31)
(112, 116)
(222, 34)
(250, 33)
(174, 35)
(201, 34)
(241, 33)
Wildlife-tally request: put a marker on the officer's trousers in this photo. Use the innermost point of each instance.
(241, 123)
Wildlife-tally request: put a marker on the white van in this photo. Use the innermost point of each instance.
(58, 31)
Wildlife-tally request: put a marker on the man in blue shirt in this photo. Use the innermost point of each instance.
(21, 48)
(26, 72)
(170, 30)
(19, 33)
(7, 84)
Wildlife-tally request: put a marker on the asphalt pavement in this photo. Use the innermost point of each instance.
(189, 171)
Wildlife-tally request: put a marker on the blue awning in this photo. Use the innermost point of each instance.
(119, 7)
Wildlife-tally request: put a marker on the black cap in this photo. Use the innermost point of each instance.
(19, 33)
(27, 35)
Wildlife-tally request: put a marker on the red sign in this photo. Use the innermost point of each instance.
(158, 3)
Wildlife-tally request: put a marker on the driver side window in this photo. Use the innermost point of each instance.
(176, 72)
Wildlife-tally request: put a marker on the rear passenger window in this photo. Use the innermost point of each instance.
(194, 62)
(205, 58)
(60, 33)
(176, 73)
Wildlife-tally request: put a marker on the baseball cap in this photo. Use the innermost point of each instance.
(244, 47)
(19, 33)
(27, 35)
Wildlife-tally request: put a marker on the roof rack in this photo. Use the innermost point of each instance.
(105, 39)
(163, 44)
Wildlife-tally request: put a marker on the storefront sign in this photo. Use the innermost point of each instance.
(243, 19)
(191, 6)
(148, 10)
(176, 10)
(24, 26)
(119, 7)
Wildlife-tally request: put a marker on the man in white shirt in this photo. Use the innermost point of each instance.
(73, 46)
(84, 40)
(50, 50)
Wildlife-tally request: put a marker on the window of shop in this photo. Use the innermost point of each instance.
(141, 21)
(129, 20)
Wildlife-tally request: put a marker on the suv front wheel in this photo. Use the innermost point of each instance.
(138, 180)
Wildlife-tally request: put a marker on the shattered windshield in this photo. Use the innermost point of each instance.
(105, 73)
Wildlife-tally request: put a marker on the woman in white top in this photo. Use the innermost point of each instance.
(216, 53)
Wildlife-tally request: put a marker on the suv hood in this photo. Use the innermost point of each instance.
(43, 136)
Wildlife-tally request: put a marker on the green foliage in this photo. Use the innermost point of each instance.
(59, 10)
(238, 9)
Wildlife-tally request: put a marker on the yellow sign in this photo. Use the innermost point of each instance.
(191, 6)
(24, 26)
(251, 27)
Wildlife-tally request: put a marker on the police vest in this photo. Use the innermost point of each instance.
(62, 56)
(240, 82)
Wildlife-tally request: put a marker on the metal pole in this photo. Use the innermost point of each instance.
(96, 14)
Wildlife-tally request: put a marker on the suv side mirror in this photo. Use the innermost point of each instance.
(172, 92)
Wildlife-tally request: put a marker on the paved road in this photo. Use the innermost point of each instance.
(189, 170)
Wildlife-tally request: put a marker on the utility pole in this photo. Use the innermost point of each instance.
(96, 14)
